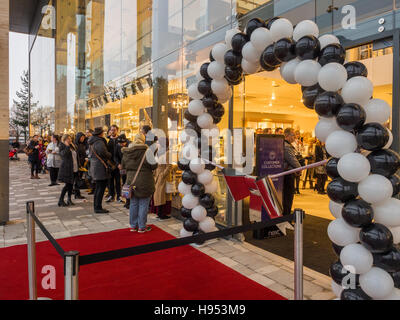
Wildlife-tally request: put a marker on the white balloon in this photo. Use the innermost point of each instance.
(205, 177)
(377, 110)
(199, 77)
(207, 225)
(356, 258)
(205, 120)
(196, 107)
(250, 53)
(336, 289)
(377, 283)
(306, 72)
(199, 213)
(281, 28)
(389, 143)
(342, 234)
(340, 142)
(261, 38)
(325, 127)
(193, 92)
(197, 165)
(287, 70)
(222, 98)
(184, 233)
(189, 201)
(305, 28)
(387, 212)
(328, 39)
(354, 167)
(211, 187)
(332, 76)
(228, 37)
(250, 67)
(336, 209)
(184, 188)
(394, 295)
(375, 188)
(189, 152)
(219, 86)
(216, 70)
(218, 52)
(396, 234)
(357, 90)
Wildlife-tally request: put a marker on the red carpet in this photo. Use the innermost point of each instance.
(174, 274)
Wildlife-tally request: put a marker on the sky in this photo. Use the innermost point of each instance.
(18, 50)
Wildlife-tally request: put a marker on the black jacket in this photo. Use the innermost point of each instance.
(97, 170)
(112, 147)
(66, 171)
(34, 156)
(81, 149)
(290, 160)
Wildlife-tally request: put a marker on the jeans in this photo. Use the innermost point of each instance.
(114, 185)
(138, 209)
(99, 193)
(35, 166)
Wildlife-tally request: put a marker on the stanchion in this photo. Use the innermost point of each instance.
(298, 255)
(71, 275)
(31, 240)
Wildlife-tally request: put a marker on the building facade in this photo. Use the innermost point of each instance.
(130, 62)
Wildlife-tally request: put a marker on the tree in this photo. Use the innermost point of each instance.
(20, 115)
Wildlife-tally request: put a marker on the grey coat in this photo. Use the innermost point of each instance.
(97, 169)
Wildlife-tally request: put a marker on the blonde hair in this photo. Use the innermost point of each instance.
(139, 139)
(65, 137)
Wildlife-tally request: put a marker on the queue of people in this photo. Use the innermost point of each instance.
(97, 162)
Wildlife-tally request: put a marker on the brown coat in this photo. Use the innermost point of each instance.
(161, 175)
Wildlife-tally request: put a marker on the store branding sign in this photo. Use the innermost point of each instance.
(349, 20)
(49, 17)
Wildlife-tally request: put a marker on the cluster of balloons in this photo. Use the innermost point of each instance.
(366, 231)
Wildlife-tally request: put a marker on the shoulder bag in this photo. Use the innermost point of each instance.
(110, 166)
(127, 189)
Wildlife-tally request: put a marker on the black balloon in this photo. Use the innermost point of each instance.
(265, 66)
(268, 57)
(217, 120)
(384, 162)
(183, 164)
(204, 72)
(357, 213)
(238, 41)
(253, 24)
(233, 59)
(338, 272)
(341, 191)
(395, 180)
(233, 75)
(332, 53)
(270, 21)
(308, 47)
(199, 232)
(204, 87)
(209, 101)
(331, 168)
(372, 136)
(189, 177)
(192, 126)
(376, 238)
(211, 56)
(198, 189)
(354, 294)
(218, 111)
(285, 50)
(356, 69)
(186, 213)
(396, 278)
(188, 116)
(212, 212)
(327, 104)
(351, 116)
(337, 249)
(310, 94)
(207, 200)
(388, 261)
(190, 224)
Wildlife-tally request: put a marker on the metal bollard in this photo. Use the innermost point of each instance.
(31, 241)
(71, 275)
(298, 255)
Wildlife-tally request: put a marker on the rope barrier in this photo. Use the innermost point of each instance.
(168, 244)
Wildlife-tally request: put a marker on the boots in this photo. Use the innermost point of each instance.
(61, 202)
(37, 176)
(32, 176)
(69, 201)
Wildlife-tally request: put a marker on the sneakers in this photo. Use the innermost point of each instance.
(101, 211)
(110, 199)
(135, 229)
(163, 218)
(146, 229)
(120, 200)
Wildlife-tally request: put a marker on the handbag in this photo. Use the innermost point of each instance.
(127, 189)
(109, 165)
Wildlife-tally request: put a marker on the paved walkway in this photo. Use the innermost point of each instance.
(261, 266)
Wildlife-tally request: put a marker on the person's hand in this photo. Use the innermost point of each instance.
(120, 167)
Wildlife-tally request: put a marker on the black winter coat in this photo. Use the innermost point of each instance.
(97, 169)
(81, 149)
(34, 156)
(66, 171)
(112, 147)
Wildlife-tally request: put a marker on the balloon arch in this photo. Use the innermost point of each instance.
(366, 230)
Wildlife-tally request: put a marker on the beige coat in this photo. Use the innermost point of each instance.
(161, 175)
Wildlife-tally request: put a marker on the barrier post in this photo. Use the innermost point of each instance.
(298, 255)
(71, 275)
(31, 243)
